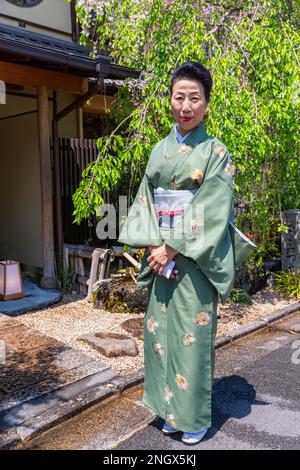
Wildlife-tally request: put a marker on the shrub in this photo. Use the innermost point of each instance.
(288, 283)
(239, 296)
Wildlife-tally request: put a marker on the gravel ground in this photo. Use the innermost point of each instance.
(73, 317)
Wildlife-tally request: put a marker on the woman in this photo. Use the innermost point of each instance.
(181, 214)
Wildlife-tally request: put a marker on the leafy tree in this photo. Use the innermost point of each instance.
(252, 50)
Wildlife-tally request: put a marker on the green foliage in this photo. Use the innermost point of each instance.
(239, 296)
(66, 280)
(252, 50)
(288, 283)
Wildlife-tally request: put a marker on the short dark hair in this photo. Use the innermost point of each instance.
(193, 71)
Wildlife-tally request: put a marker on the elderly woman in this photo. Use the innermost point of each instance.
(182, 215)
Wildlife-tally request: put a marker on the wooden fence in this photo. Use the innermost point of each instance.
(75, 155)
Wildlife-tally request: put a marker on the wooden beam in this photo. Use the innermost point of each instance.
(35, 77)
(48, 280)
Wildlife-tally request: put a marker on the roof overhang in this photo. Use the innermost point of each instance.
(20, 46)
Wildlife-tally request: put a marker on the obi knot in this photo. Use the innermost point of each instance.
(170, 213)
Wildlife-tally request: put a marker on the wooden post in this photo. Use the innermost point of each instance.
(135, 263)
(48, 279)
(107, 258)
(66, 258)
(80, 122)
(57, 192)
(93, 274)
(81, 273)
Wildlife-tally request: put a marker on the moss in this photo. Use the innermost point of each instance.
(120, 296)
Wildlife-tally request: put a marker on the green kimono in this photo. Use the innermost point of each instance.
(181, 315)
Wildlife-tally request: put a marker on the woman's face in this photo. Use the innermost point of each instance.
(188, 104)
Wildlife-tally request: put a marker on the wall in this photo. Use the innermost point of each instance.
(20, 202)
(52, 13)
(20, 188)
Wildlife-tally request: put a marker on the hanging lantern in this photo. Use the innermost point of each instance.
(11, 286)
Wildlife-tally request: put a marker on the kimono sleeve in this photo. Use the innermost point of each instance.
(140, 228)
(203, 233)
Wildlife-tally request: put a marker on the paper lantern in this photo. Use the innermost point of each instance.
(11, 286)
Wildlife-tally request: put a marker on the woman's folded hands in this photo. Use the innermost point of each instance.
(160, 257)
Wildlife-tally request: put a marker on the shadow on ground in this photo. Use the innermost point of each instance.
(232, 397)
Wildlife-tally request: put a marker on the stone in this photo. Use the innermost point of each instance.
(128, 381)
(134, 326)
(291, 323)
(73, 383)
(248, 281)
(48, 283)
(224, 319)
(266, 340)
(111, 344)
(290, 241)
(9, 439)
(120, 296)
(34, 298)
(66, 410)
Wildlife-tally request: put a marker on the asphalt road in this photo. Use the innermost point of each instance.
(256, 398)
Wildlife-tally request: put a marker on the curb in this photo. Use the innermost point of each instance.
(256, 325)
(29, 429)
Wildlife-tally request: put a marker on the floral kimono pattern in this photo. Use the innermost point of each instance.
(181, 314)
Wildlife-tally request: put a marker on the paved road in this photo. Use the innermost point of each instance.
(256, 396)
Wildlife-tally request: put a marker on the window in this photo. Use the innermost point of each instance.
(25, 3)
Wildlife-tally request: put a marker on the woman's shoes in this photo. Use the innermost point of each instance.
(167, 429)
(189, 438)
(192, 438)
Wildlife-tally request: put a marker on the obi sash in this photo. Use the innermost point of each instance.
(170, 205)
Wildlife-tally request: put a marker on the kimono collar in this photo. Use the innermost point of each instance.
(194, 137)
(180, 138)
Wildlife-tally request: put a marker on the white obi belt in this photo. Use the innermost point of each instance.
(170, 205)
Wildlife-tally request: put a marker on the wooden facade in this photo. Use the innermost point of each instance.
(41, 61)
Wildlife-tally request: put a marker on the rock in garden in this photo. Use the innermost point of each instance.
(120, 296)
(134, 326)
(224, 319)
(111, 344)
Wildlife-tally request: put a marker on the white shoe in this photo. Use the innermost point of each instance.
(167, 429)
(192, 438)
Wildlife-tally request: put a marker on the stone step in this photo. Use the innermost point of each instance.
(92, 374)
(102, 427)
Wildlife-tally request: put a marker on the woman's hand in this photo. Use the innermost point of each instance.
(160, 257)
(151, 248)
